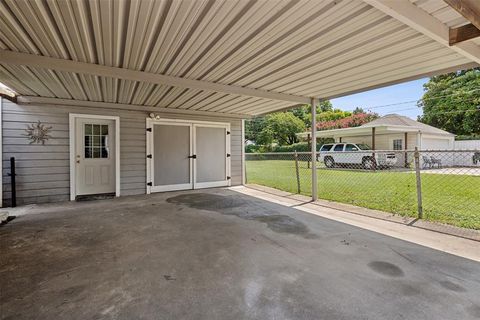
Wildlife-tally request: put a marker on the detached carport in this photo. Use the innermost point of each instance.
(197, 62)
(107, 75)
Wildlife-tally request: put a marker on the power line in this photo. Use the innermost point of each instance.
(446, 112)
(421, 99)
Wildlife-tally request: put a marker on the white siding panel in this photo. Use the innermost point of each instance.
(43, 170)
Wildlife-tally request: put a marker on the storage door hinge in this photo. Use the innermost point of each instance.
(228, 155)
(228, 132)
(149, 184)
(228, 178)
(149, 156)
(149, 129)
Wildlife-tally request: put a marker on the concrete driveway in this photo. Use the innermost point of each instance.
(218, 254)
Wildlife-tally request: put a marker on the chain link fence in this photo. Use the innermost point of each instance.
(440, 186)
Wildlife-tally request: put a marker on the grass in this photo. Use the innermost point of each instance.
(447, 198)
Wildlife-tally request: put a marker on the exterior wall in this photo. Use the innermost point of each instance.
(43, 171)
(465, 159)
(467, 145)
(431, 142)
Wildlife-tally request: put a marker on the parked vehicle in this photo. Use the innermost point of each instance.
(355, 155)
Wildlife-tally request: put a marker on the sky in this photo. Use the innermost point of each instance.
(376, 100)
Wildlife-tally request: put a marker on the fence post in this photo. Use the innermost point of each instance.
(419, 183)
(309, 148)
(297, 172)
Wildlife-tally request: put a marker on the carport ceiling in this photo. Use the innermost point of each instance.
(243, 57)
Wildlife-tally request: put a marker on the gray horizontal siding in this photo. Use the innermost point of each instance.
(43, 171)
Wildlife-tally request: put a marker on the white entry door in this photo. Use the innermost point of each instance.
(95, 156)
(185, 155)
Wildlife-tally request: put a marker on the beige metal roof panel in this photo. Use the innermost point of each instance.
(442, 11)
(319, 48)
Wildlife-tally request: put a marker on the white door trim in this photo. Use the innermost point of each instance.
(225, 183)
(193, 184)
(150, 151)
(72, 117)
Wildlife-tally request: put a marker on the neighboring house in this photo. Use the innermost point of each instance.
(393, 132)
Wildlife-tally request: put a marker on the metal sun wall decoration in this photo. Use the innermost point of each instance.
(37, 133)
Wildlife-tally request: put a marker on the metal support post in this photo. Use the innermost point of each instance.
(314, 150)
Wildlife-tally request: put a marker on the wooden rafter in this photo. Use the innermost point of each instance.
(470, 9)
(463, 33)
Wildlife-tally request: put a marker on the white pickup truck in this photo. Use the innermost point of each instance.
(355, 155)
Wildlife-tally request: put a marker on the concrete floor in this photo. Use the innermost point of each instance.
(218, 254)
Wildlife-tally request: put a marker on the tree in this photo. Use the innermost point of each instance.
(253, 127)
(452, 102)
(358, 110)
(324, 105)
(331, 115)
(280, 127)
(283, 127)
(305, 112)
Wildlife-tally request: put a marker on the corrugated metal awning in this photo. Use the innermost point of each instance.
(246, 57)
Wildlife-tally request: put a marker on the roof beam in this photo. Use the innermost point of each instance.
(109, 105)
(418, 19)
(36, 61)
(463, 33)
(470, 9)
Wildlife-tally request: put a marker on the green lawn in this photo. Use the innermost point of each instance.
(452, 199)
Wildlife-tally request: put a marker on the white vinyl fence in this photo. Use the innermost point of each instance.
(466, 159)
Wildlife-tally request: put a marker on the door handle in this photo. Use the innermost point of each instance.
(193, 156)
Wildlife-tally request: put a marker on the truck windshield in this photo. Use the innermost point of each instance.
(363, 146)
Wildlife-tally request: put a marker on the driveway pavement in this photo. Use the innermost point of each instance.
(219, 254)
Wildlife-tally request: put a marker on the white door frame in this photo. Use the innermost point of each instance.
(150, 174)
(72, 118)
(227, 181)
(150, 151)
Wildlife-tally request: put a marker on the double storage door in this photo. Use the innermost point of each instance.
(187, 155)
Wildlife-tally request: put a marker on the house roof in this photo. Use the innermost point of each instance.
(390, 123)
(220, 57)
(399, 120)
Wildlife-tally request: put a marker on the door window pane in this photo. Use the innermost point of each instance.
(96, 141)
(104, 130)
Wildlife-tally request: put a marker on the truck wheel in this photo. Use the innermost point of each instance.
(369, 163)
(329, 163)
